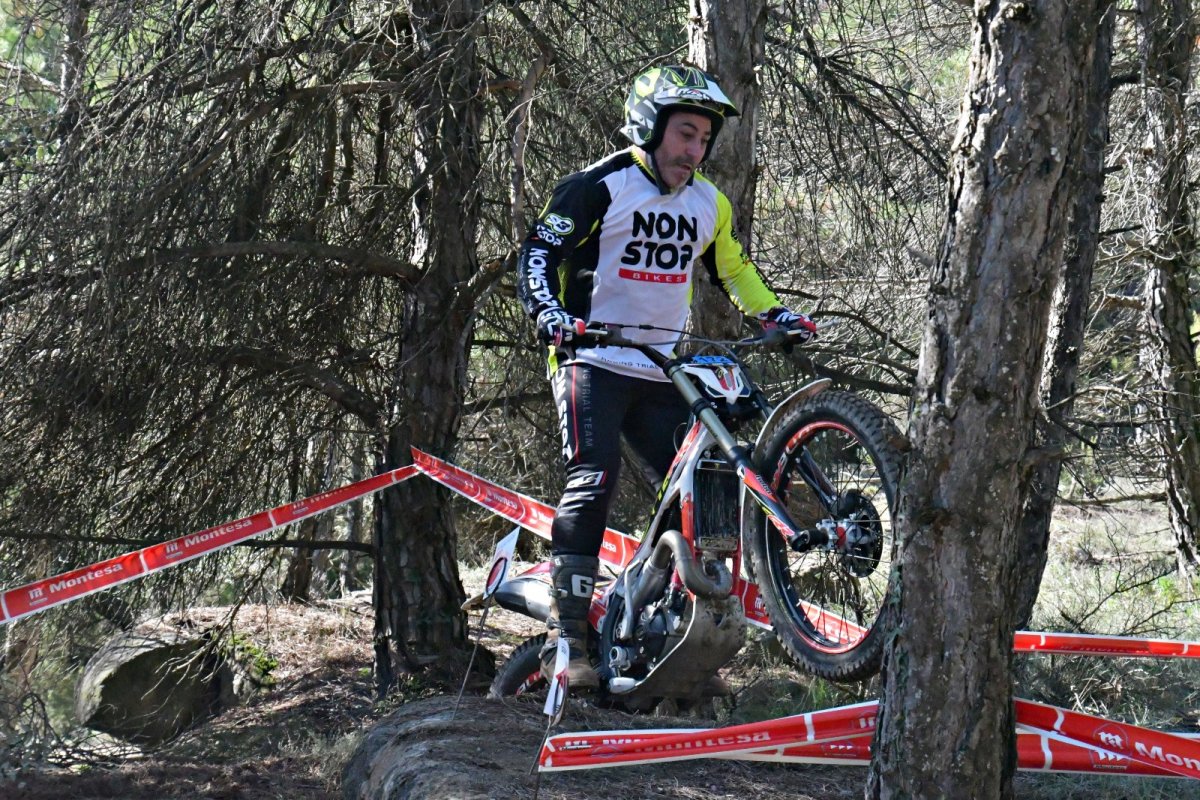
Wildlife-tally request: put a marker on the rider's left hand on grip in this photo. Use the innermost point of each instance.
(799, 327)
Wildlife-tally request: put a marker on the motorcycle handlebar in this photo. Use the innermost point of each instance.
(600, 334)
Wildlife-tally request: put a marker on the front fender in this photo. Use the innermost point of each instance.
(794, 399)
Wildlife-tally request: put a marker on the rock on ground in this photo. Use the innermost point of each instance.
(485, 751)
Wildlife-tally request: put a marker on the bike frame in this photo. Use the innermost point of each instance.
(755, 487)
(679, 489)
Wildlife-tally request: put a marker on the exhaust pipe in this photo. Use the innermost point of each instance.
(653, 576)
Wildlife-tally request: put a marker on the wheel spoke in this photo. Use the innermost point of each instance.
(836, 593)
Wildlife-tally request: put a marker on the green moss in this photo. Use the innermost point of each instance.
(258, 661)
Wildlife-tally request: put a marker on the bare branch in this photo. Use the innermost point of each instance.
(349, 397)
(358, 262)
(27, 80)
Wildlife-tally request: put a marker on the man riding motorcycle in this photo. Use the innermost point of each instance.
(620, 242)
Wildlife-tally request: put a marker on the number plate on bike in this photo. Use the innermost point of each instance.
(719, 376)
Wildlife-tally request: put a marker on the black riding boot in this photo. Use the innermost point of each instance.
(572, 580)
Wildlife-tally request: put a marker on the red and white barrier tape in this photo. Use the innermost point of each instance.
(1037, 751)
(1100, 645)
(1064, 743)
(1167, 751)
(1049, 739)
(582, 750)
(837, 734)
(49, 592)
(617, 548)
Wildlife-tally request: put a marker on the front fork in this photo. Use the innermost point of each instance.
(739, 456)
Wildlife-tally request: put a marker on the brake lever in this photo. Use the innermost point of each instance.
(598, 334)
(775, 337)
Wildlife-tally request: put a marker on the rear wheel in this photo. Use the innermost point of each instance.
(826, 603)
(521, 674)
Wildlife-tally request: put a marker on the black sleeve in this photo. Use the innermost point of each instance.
(574, 212)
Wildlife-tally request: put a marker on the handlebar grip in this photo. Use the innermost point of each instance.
(782, 338)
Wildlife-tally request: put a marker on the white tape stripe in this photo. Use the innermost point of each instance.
(3, 607)
(809, 733)
(1070, 742)
(274, 522)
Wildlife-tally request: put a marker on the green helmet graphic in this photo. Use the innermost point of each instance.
(660, 90)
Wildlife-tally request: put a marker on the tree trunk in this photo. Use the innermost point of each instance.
(417, 591)
(946, 726)
(726, 38)
(1167, 37)
(74, 68)
(1068, 320)
(348, 571)
(297, 580)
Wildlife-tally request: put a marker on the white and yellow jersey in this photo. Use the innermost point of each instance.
(611, 247)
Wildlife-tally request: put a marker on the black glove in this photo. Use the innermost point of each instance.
(801, 327)
(555, 326)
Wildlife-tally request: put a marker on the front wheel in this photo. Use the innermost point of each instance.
(832, 463)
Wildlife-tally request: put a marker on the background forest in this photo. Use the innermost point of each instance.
(250, 251)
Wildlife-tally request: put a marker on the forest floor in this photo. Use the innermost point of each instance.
(295, 740)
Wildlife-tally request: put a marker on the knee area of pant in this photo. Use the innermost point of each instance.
(592, 480)
(583, 498)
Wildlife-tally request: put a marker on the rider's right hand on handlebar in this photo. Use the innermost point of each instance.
(556, 327)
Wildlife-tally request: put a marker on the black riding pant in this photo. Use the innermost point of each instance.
(595, 408)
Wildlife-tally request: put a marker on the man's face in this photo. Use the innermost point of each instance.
(682, 149)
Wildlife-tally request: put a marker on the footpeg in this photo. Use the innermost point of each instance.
(621, 685)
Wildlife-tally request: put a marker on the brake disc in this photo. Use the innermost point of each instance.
(864, 534)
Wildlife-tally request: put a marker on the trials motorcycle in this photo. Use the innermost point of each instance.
(811, 500)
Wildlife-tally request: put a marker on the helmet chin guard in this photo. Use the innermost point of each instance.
(659, 91)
